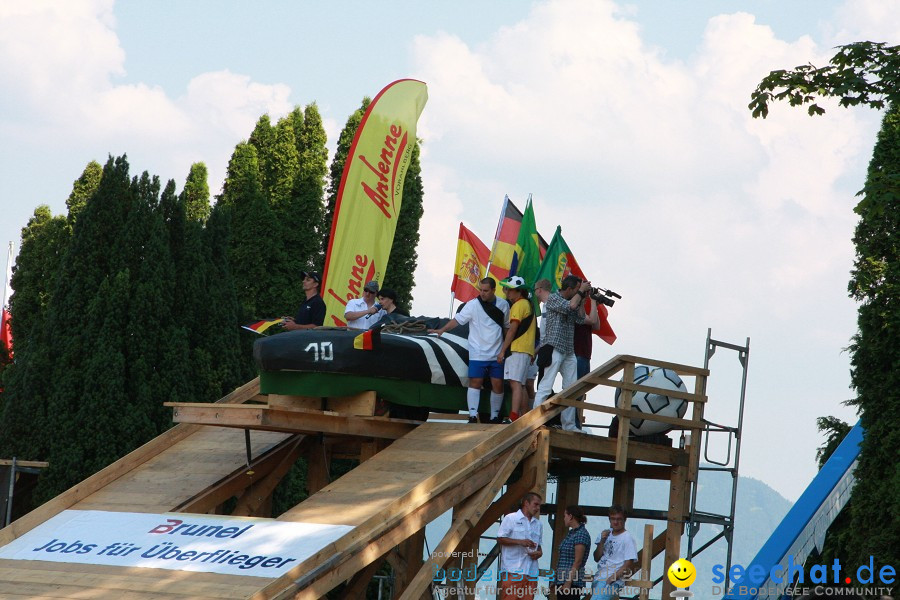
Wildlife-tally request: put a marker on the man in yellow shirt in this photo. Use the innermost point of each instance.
(519, 340)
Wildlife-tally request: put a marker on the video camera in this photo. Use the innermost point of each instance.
(604, 296)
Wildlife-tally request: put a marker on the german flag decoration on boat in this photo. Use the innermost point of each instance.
(261, 326)
(368, 340)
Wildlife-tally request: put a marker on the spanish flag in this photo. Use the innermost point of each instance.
(471, 265)
(368, 340)
(260, 326)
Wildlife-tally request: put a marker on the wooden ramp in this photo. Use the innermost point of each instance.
(169, 472)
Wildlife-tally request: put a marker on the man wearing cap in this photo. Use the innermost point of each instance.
(312, 312)
(519, 340)
(362, 313)
(488, 317)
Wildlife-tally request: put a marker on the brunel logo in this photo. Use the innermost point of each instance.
(177, 526)
(393, 155)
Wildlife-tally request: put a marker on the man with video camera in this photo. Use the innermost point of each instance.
(562, 311)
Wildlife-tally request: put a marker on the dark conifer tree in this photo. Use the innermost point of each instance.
(875, 354)
(195, 195)
(83, 188)
(251, 245)
(310, 188)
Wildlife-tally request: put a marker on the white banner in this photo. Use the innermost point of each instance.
(176, 541)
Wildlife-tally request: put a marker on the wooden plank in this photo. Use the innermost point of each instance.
(674, 525)
(290, 420)
(622, 413)
(624, 422)
(30, 464)
(290, 402)
(652, 362)
(637, 387)
(592, 446)
(645, 561)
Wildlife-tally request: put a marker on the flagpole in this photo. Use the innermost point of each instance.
(452, 298)
(7, 283)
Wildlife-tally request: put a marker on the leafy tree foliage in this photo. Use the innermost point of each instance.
(875, 352)
(836, 430)
(310, 189)
(125, 328)
(862, 73)
(866, 73)
(195, 195)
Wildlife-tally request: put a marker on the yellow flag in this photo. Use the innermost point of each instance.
(370, 195)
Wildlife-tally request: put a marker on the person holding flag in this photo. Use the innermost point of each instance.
(562, 311)
(520, 341)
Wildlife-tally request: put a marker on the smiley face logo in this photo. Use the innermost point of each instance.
(682, 573)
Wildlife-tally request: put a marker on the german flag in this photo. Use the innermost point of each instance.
(368, 340)
(504, 247)
(260, 326)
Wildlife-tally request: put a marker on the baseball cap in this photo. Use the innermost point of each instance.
(312, 275)
(371, 286)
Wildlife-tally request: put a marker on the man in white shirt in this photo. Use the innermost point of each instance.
(519, 537)
(488, 318)
(362, 313)
(616, 555)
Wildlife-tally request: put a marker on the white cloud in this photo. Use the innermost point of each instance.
(59, 64)
(666, 188)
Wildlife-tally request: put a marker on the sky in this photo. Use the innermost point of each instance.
(626, 121)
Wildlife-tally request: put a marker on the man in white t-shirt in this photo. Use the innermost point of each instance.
(488, 318)
(519, 537)
(362, 313)
(616, 555)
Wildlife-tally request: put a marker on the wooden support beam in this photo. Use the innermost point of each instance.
(370, 448)
(675, 524)
(652, 362)
(637, 387)
(658, 545)
(539, 462)
(357, 585)
(644, 559)
(624, 422)
(623, 487)
(289, 420)
(567, 467)
(570, 443)
(696, 432)
(632, 414)
(256, 501)
(318, 462)
(361, 404)
(238, 481)
(406, 560)
(466, 519)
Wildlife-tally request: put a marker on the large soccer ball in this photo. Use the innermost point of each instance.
(655, 403)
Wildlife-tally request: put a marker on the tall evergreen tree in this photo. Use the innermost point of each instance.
(83, 188)
(400, 274)
(875, 353)
(251, 245)
(195, 195)
(310, 189)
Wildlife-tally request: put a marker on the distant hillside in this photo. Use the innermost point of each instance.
(759, 510)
